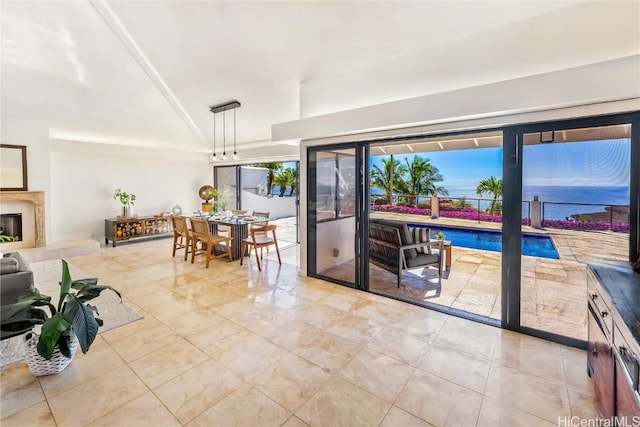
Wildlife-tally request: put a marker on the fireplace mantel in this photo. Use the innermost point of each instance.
(37, 198)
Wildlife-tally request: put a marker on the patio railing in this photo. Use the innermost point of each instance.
(559, 215)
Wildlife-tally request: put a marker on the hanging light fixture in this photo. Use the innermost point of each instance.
(235, 153)
(224, 135)
(213, 157)
(222, 108)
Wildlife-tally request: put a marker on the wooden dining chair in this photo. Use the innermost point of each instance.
(261, 223)
(208, 242)
(181, 235)
(259, 239)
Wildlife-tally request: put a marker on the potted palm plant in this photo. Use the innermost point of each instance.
(126, 199)
(71, 323)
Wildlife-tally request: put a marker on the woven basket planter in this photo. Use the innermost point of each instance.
(40, 366)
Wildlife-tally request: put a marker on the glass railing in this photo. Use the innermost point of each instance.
(558, 215)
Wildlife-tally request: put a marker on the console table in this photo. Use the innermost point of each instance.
(119, 229)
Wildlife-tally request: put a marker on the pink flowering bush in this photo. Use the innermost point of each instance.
(474, 215)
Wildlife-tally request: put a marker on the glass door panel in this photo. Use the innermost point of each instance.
(576, 199)
(226, 185)
(332, 219)
(451, 185)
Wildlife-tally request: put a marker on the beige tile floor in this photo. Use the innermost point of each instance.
(229, 345)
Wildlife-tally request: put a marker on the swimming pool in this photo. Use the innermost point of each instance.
(532, 245)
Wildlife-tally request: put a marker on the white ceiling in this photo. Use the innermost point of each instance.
(145, 72)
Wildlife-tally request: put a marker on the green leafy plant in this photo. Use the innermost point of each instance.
(72, 316)
(6, 238)
(125, 198)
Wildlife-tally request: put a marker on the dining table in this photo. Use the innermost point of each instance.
(239, 225)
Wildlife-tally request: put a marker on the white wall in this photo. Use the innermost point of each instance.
(278, 207)
(84, 176)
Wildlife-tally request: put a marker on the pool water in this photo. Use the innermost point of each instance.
(532, 245)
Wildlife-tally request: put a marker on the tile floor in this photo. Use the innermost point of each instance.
(233, 346)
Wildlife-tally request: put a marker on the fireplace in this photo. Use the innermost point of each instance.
(11, 227)
(33, 217)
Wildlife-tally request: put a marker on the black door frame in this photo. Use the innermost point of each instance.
(512, 222)
(361, 245)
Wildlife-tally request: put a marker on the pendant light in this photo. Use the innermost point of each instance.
(235, 153)
(222, 108)
(224, 135)
(213, 157)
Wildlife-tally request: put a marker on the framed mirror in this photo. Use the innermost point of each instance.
(13, 167)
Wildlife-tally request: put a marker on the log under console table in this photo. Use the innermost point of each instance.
(119, 229)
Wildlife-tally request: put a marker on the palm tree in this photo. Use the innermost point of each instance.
(388, 176)
(491, 185)
(284, 179)
(294, 180)
(422, 179)
(272, 169)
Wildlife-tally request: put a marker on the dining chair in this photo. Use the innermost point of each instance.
(208, 242)
(181, 235)
(259, 239)
(261, 223)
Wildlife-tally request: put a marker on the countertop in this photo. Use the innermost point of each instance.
(622, 285)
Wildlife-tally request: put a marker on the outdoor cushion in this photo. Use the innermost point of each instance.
(421, 235)
(422, 259)
(405, 236)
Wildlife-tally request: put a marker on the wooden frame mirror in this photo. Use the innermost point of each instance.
(13, 167)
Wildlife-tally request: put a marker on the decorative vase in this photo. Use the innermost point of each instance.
(206, 207)
(38, 365)
(125, 211)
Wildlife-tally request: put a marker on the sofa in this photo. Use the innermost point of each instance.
(15, 278)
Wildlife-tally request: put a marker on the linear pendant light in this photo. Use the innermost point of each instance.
(222, 108)
(213, 157)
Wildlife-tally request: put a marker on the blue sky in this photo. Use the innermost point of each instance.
(573, 164)
(587, 163)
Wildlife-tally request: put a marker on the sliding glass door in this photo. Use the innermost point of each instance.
(332, 214)
(576, 205)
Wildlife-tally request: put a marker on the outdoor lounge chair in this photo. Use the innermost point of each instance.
(392, 247)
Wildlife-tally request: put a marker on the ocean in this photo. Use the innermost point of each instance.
(571, 198)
